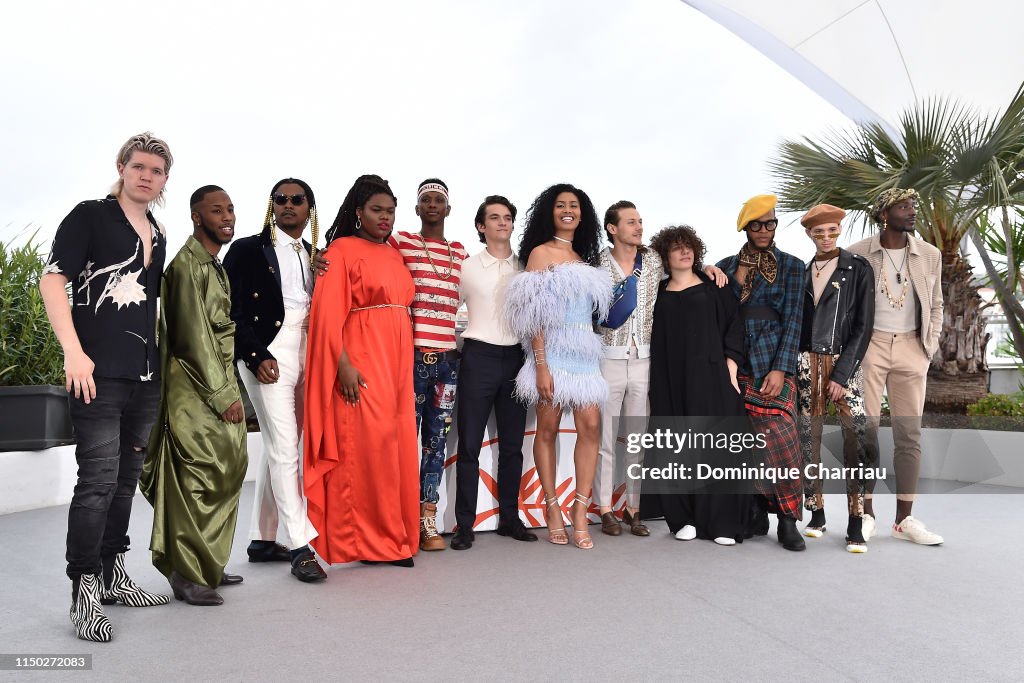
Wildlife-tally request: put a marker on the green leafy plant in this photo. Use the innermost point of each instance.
(29, 352)
(999, 405)
(964, 163)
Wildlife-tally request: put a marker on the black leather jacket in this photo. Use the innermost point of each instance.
(842, 321)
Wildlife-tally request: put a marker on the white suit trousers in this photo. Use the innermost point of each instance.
(628, 380)
(278, 407)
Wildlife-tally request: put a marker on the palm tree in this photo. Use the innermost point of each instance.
(965, 165)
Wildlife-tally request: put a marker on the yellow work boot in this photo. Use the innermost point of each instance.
(429, 538)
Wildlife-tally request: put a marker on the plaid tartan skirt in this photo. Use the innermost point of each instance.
(776, 419)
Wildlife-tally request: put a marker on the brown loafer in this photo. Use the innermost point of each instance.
(610, 525)
(636, 527)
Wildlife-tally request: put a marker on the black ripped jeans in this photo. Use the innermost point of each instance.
(108, 431)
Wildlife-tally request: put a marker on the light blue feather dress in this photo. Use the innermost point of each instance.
(560, 301)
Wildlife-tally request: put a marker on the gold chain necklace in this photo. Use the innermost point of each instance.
(430, 259)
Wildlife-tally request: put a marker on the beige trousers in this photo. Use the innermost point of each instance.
(628, 380)
(898, 362)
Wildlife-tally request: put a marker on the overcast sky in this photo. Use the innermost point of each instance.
(648, 101)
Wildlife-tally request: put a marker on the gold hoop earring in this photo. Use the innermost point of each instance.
(359, 224)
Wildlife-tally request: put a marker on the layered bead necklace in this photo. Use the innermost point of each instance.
(894, 301)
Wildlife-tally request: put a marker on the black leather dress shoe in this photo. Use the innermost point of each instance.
(404, 562)
(193, 593)
(789, 536)
(273, 553)
(463, 539)
(305, 568)
(518, 532)
(230, 579)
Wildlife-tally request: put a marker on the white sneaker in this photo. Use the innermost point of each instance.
(725, 540)
(867, 527)
(911, 529)
(687, 533)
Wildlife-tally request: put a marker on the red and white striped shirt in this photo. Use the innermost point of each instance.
(437, 295)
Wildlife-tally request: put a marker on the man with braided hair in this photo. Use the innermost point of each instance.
(271, 278)
(907, 324)
(769, 285)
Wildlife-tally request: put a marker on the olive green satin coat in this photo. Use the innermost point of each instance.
(196, 462)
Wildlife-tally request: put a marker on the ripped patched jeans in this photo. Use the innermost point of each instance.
(108, 431)
(435, 385)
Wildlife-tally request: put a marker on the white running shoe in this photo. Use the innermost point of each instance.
(725, 540)
(867, 526)
(687, 533)
(911, 529)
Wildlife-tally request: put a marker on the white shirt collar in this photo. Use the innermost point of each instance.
(486, 260)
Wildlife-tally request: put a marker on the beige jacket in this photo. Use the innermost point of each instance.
(926, 276)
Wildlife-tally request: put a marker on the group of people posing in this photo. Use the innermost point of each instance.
(350, 359)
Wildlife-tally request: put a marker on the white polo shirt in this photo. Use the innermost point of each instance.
(484, 279)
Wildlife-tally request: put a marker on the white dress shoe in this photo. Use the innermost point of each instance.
(725, 540)
(687, 533)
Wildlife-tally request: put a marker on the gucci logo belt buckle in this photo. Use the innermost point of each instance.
(429, 358)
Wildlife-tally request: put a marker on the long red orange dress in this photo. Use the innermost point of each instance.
(362, 462)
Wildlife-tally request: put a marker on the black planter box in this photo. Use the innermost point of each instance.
(34, 418)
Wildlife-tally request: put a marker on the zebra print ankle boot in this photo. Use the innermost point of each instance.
(122, 589)
(87, 613)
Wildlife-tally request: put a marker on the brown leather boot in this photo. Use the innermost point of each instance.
(429, 538)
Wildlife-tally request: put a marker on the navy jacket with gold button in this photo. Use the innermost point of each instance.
(257, 306)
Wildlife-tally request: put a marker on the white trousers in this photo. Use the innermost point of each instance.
(628, 380)
(278, 407)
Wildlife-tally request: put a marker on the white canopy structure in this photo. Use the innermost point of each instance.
(872, 59)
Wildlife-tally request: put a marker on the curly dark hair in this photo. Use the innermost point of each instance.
(366, 186)
(482, 211)
(540, 225)
(679, 236)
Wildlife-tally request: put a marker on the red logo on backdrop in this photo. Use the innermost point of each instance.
(531, 494)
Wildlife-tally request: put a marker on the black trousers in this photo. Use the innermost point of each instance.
(107, 430)
(486, 380)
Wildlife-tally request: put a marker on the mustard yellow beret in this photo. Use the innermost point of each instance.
(822, 214)
(755, 207)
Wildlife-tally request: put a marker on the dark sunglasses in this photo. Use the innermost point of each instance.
(758, 226)
(282, 199)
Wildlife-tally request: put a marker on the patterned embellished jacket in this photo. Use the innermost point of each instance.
(772, 344)
(617, 342)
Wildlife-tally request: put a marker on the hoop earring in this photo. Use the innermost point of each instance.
(359, 224)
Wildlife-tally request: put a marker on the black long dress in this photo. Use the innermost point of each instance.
(694, 331)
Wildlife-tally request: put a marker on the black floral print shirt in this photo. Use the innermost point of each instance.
(113, 293)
